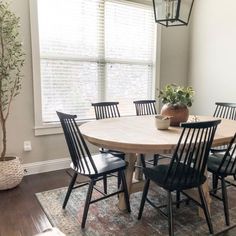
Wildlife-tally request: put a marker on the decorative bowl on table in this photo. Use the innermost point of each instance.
(162, 122)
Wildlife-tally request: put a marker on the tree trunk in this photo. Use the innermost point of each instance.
(4, 140)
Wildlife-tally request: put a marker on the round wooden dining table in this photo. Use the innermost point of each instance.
(138, 134)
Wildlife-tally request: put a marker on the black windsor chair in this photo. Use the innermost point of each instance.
(105, 110)
(186, 168)
(227, 111)
(146, 107)
(222, 165)
(224, 110)
(95, 167)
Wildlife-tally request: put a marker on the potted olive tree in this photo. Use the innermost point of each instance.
(176, 100)
(11, 63)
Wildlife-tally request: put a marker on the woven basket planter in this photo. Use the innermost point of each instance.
(11, 173)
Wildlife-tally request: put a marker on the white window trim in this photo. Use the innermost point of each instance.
(41, 128)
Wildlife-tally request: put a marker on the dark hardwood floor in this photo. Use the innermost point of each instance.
(20, 212)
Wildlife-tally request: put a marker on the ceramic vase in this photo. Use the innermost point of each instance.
(178, 113)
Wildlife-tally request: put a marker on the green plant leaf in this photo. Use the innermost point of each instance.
(175, 94)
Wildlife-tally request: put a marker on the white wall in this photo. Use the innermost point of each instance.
(174, 57)
(212, 70)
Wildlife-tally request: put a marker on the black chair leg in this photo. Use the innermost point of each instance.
(177, 198)
(170, 214)
(72, 183)
(225, 201)
(105, 184)
(142, 158)
(119, 180)
(87, 202)
(124, 184)
(145, 192)
(155, 159)
(119, 175)
(187, 201)
(205, 209)
(214, 183)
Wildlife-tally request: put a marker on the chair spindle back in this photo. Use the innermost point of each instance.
(145, 107)
(78, 149)
(225, 110)
(105, 110)
(191, 153)
(228, 163)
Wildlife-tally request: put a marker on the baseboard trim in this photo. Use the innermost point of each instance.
(46, 166)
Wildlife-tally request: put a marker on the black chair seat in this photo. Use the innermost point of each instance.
(227, 167)
(219, 149)
(105, 163)
(113, 152)
(158, 175)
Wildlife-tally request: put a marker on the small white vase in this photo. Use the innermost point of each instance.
(162, 123)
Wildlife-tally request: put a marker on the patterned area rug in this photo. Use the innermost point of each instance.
(105, 219)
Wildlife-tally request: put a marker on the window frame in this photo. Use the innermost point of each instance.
(41, 128)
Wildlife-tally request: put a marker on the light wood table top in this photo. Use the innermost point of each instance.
(138, 134)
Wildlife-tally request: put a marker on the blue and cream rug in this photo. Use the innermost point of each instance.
(105, 219)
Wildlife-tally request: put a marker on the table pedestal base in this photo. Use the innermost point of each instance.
(130, 159)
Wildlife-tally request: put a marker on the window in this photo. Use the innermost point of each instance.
(90, 51)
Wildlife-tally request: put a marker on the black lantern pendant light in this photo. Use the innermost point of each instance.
(172, 12)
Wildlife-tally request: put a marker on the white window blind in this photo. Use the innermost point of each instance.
(94, 51)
